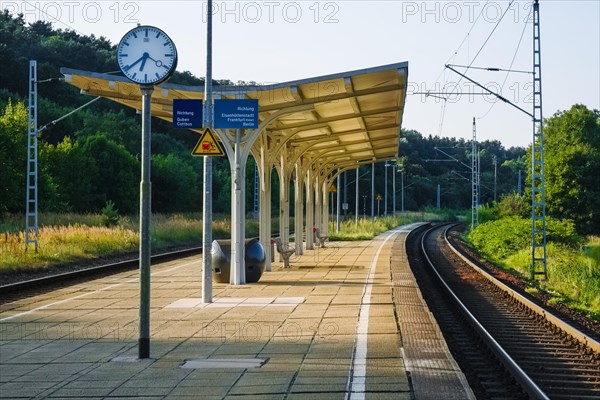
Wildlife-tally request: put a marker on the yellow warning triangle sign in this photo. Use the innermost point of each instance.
(208, 145)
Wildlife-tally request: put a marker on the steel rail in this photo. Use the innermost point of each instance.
(100, 269)
(522, 378)
(567, 328)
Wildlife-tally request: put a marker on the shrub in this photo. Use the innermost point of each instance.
(110, 215)
(514, 205)
(506, 236)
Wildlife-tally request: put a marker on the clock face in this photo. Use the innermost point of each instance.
(146, 55)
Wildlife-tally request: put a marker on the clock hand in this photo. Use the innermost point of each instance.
(145, 57)
(137, 61)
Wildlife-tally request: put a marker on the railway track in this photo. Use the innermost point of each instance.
(25, 288)
(507, 347)
(28, 287)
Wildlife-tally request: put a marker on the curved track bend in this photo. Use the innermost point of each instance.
(507, 347)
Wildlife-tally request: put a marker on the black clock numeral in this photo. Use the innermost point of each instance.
(126, 44)
(157, 35)
(123, 55)
(146, 32)
(133, 76)
(166, 43)
(145, 77)
(134, 35)
(157, 75)
(168, 55)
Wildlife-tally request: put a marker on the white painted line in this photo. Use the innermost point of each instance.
(358, 372)
(87, 294)
(57, 303)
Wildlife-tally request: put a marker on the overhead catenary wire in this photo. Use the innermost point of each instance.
(486, 40)
(509, 70)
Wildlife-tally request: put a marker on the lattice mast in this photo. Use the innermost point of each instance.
(474, 179)
(256, 191)
(31, 205)
(538, 195)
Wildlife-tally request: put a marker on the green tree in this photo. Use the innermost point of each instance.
(175, 185)
(114, 175)
(13, 159)
(71, 170)
(572, 155)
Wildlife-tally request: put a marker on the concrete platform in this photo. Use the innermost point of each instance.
(326, 328)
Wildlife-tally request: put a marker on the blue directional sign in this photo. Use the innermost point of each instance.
(236, 114)
(187, 113)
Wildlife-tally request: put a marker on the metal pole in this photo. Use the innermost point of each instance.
(207, 181)
(145, 219)
(356, 195)
(495, 176)
(237, 276)
(373, 192)
(330, 213)
(438, 196)
(538, 190)
(394, 189)
(31, 202)
(402, 185)
(256, 191)
(385, 166)
(519, 184)
(474, 179)
(345, 194)
(339, 199)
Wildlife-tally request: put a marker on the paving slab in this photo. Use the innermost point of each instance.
(325, 328)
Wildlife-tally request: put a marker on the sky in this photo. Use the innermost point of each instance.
(278, 41)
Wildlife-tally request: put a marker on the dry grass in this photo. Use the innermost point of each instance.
(63, 244)
(69, 237)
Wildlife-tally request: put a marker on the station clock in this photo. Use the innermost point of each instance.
(146, 55)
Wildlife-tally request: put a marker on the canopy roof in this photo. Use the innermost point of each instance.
(344, 119)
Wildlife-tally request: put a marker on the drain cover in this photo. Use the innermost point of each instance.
(224, 363)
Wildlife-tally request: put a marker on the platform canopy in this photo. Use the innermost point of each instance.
(309, 130)
(343, 119)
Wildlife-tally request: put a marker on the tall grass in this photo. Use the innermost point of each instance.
(573, 275)
(573, 270)
(62, 244)
(365, 228)
(71, 237)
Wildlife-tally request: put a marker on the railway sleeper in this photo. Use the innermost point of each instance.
(595, 379)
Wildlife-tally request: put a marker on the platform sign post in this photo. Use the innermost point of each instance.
(207, 181)
(238, 114)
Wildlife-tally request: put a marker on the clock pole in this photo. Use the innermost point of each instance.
(207, 183)
(145, 218)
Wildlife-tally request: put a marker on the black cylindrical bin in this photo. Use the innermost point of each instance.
(254, 259)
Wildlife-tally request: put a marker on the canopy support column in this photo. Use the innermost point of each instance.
(298, 212)
(265, 213)
(310, 209)
(238, 215)
(318, 205)
(284, 201)
(324, 227)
